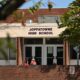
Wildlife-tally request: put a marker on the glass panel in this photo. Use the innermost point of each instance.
(48, 19)
(9, 52)
(38, 54)
(12, 55)
(28, 53)
(3, 48)
(33, 41)
(49, 55)
(1, 54)
(60, 52)
(73, 53)
(54, 41)
(12, 51)
(60, 55)
(50, 50)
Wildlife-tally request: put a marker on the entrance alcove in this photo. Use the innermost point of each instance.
(45, 51)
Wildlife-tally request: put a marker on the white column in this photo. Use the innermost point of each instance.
(44, 55)
(33, 51)
(55, 54)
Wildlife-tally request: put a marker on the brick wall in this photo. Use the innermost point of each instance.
(28, 16)
(35, 73)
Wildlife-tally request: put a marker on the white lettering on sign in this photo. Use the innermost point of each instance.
(40, 31)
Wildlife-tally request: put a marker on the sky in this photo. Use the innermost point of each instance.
(57, 3)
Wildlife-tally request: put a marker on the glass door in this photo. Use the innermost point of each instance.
(60, 55)
(38, 54)
(28, 54)
(49, 55)
(33, 52)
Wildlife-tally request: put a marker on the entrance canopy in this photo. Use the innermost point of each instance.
(33, 30)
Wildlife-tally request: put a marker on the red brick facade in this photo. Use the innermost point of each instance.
(27, 16)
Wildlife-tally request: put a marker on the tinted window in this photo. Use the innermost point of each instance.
(73, 53)
(48, 19)
(33, 41)
(10, 52)
(60, 55)
(54, 41)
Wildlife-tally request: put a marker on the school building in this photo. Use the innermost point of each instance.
(36, 36)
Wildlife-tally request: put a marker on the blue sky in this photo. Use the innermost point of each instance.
(58, 3)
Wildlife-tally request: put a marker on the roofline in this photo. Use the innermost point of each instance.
(44, 8)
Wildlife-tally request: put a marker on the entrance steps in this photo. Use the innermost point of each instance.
(34, 73)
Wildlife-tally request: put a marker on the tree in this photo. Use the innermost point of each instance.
(71, 20)
(8, 6)
(37, 6)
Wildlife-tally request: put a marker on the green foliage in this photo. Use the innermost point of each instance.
(17, 16)
(3, 2)
(71, 20)
(2, 51)
(8, 45)
(35, 7)
(50, 5)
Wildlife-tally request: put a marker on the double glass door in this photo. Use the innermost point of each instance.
(44, 55)
(54, 55)
(33, 52)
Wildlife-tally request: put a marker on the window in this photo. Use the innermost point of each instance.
(60, 52)
(48, 19)
(49, 51)
(2, 54)
(33, 41)
(73, 52)
(11, 53)
(54, 41)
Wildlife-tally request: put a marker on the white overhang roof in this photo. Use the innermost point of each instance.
(30, 30)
